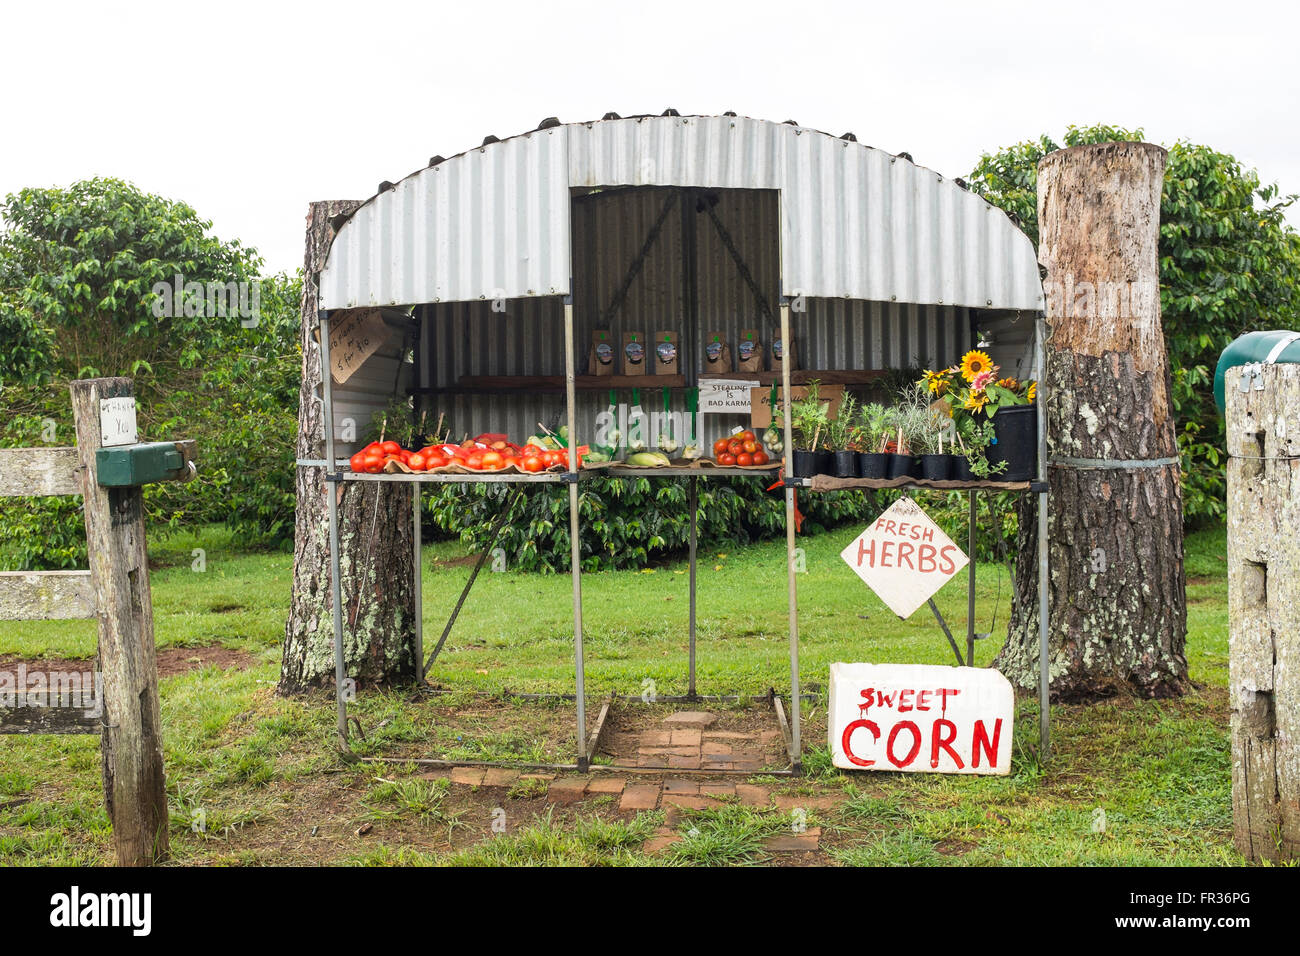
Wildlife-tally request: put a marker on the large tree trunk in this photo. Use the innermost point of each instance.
(375, 535)
(1118, 619)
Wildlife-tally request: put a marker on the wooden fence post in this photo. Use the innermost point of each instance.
(1263, 427)
(131, 741)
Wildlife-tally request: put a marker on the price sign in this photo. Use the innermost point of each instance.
(354, 337)
(117, 422)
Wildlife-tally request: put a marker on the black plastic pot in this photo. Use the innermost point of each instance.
(961, 469)
(846, 464)
(1015, 441)
(873, 465)
(804, 463)
(936, 467)
(900, 466)
(825, 463)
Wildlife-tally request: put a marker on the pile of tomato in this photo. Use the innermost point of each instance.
(473, 455)
(742, 448)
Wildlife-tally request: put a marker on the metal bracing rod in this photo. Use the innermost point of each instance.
(575, 537)
(478, 566)
(970, 587)
(1044, 679)
(956, 651)
(332, 506)
(635, 268)
(741, 265)
(790, 549)
(692, 504)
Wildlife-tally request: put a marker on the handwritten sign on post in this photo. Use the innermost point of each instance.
(904, 557)
(920, 718)
(355, 335)
(725, 396)
(117, 421)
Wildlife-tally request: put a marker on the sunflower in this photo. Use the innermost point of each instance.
(974, 363)
(935, 382)
(1033, 390)
(1010, 384)
(975, 401)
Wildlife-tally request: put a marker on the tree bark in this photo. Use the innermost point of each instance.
(1118, 619)
(375, 535)
(1264, 612)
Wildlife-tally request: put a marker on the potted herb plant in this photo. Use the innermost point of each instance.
(912, 422)
(875, 422)
(809, 418)
(840, 436)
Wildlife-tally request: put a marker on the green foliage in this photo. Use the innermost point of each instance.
(1229, 264)
(628, 522)
(78, 268)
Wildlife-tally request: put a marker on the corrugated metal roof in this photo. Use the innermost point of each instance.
(855, 222)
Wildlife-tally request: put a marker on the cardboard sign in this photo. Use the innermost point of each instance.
(354, 337)
(760, 401)
(920, 718)
(904, 557)
(725, 396)
(117, 422)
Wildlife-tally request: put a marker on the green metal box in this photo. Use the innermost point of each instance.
(126, 466)
(1254, 348)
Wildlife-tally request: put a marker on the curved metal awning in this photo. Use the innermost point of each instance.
(856, 222)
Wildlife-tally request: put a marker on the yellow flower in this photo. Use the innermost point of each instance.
(935, 382)
(1033, 390)
(1009, 383)
(975, 401)
(975, 363)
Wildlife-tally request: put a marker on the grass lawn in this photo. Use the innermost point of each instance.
(260, 775)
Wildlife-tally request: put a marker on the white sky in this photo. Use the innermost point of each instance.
(247, 111)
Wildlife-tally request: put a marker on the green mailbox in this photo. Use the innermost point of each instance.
(1252, 350)
(126, 466)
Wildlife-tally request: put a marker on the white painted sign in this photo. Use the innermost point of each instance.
(920, 718)
(725, 396)
(354, 337)
(904, 557)
(117, 421)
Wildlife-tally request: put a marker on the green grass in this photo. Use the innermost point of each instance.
(261, 774)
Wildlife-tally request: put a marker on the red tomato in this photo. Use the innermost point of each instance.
(358, 461)
(719, 446)
(746, 436)
(726, 459)
(744, 458)
(474, 461)
(492, 460)
(735, 447)
(532, 463)
(374, 463)
(390, 447)
(416, 462)
(533, 450)
(750, 446)
(434, 460)
(760, 458)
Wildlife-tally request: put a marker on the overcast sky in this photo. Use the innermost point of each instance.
(247, 111)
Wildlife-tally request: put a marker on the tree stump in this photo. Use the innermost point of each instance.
(375, 534)
(1118, 594)
(1263, 427)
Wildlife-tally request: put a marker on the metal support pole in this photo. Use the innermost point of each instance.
(419, 585)
(790, 549)
(575, 539)
(332, 503)
(692, 503)
(1044, 680)
(970, 586)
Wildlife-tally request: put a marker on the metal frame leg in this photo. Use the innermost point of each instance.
(575, 539)
(419, 584)
(692, 503)
(332, 507)
(970, 586)
(795, 745)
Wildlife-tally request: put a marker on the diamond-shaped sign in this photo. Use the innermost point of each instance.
(904, 557)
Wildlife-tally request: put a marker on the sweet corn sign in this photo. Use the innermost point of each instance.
(904, 557)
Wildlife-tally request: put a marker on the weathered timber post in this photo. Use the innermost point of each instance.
(1118, 618)
(131, 738)
(1263, 428)
(376, 533)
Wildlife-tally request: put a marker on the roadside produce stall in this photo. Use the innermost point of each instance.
(669, 296)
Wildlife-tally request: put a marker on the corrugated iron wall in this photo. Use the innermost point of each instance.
(609, 232)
